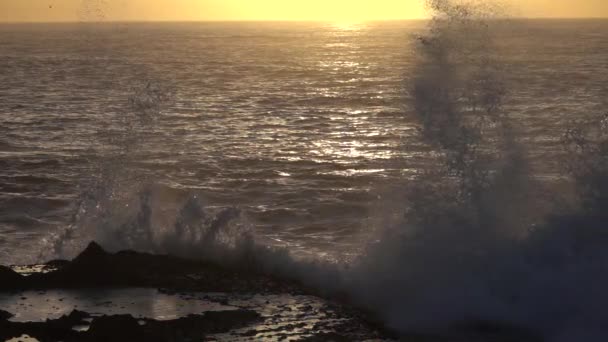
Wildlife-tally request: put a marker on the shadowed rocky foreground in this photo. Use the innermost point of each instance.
(131, 296)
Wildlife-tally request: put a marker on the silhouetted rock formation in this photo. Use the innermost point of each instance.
(51, 330)
(10, 279)
(95, 267)
(5, 315)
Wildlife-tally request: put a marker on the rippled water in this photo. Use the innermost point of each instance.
(296, 317)
(302, 125)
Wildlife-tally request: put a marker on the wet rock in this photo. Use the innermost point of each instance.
(93, 255)
(250, 333)
(74, 318)
(327, 337)
(56, 264)
(192, 327)
(10, 279)
(4, 315)
(51, 330)
(225, 320)
(95, 267)
(114, 328)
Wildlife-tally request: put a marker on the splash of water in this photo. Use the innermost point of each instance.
(123, 208)
(467, 243)
(467, 246)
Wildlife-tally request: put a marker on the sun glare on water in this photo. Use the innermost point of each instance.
(346, 25)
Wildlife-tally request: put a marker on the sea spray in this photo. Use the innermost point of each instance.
(110, 194)
(469, 247)
(120, 204)
(123, 207)
(443, 263)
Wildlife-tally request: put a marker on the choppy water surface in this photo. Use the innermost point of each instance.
(141, 303)
(301, 125)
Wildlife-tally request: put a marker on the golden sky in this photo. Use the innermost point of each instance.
(333, 10)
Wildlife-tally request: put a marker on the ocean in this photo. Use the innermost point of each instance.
(436, 172)
(302, 126)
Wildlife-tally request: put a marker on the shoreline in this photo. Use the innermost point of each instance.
(230, 304)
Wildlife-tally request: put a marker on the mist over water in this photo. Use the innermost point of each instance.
(439, 164)
(476, 238)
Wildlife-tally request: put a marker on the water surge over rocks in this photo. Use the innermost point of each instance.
(465, 247)
(469, 245)
(123, 208)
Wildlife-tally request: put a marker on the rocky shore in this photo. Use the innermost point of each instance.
(131, 296)
(95, 267)
(251, 306)
(127, 328)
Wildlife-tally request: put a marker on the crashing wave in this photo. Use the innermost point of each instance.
(466, 242)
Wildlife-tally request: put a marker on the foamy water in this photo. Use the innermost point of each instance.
(300, 125)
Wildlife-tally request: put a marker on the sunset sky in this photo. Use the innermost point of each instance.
(332, 10)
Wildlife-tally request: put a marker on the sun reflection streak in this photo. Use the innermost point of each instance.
(347, 25)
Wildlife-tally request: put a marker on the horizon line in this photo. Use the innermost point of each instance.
(136, 21)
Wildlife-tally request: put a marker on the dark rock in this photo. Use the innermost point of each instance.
(95, 268)
(10, 279)
(327, 337)
(114, 328)
(221, 321)
(51, 330)
(93, 254)
(74, 318)
(4, 315)
(56, 264)
(250, 333)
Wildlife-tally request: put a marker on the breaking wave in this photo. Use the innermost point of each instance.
(469, 240)
(473, 240)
